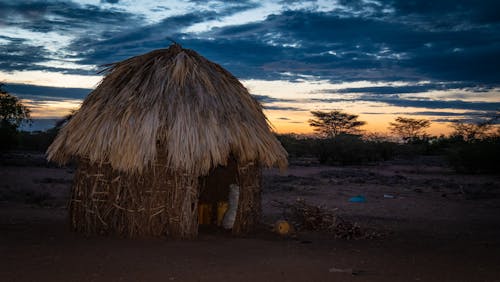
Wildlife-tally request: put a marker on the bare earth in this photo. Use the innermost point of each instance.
(437, 226)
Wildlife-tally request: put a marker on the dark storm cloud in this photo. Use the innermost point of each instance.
(140, 39)
(358, 48)
(430, 113)
(419, 88)
(135, 41)
(441, 41)
(395, 100)
(34, 92)
(432, 104)
(469, 116)
(446, 13)
(227, 7)
(268, 99)
(282, 108)
(17, 54)
(45, 16)
(30, 11)
(53, 16)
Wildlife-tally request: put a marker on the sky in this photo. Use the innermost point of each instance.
(379, 59)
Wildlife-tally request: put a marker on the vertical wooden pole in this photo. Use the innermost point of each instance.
(249, 207)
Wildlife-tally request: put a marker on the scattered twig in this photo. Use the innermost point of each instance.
(317, 218)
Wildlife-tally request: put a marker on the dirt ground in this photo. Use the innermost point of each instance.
(435, 225)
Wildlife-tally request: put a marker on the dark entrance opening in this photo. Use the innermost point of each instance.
(214, 195)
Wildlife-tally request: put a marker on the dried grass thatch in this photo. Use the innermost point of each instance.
(174, 103)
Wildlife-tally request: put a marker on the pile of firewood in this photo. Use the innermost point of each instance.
(307, 217)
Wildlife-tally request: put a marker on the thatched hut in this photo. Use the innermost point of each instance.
(161, 132)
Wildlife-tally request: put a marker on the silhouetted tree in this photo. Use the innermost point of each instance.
(12, 114)
(333, 123)
(409, 129)
(471, 131)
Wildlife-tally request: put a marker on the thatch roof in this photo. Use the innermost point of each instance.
(170, 104)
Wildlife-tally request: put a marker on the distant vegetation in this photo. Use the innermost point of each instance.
(12, 114)
(478, 156)
(335, 123)
(342, 149)
(410, 129)
(470, 148)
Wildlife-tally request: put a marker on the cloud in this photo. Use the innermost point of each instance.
(16, 54)
(433, 104)
(357, 48)
(443, 116)
(449, 13)
(37, 32)
(35, 92)
(448, 44)
(444, 42)
(268, 103)
(282, 108)
(268, 99)
(45, 16)
(433, 113)
(417, 88)
(144, 38)
(398, 101)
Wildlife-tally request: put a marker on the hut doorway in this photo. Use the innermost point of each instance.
(216, 189)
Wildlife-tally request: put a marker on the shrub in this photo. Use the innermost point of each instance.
(340, 150)
(476, 157)
(351, 149)
(36, 141)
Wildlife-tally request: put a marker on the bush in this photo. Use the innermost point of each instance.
(8, 136)
(351, 149)
(481, 156)
(299, 146)
(36, 141)
(12, 114)
(339, 150)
